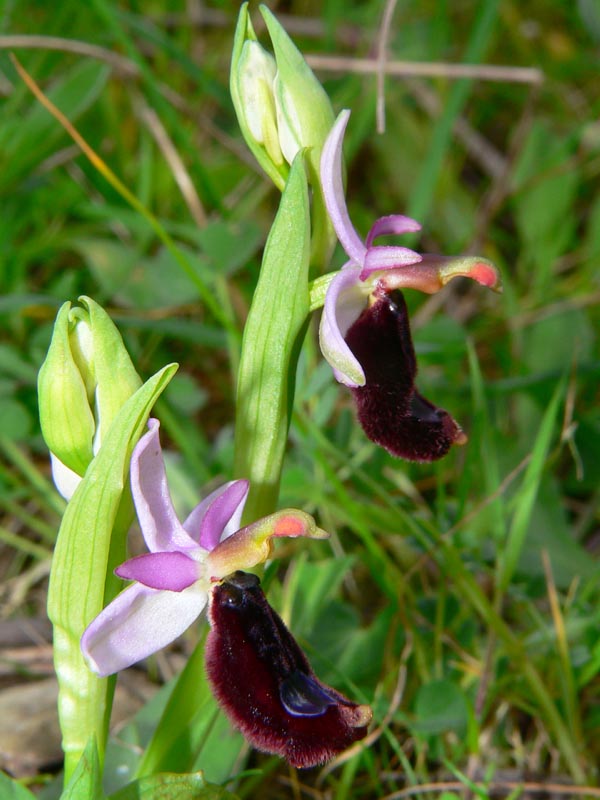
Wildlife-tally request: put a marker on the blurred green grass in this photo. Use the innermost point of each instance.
(435, 576)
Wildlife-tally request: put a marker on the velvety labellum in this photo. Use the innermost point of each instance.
(390, 409)
(265, 683)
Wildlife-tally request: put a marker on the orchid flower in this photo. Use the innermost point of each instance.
(173, 580)
(365, 331)
(266, 686)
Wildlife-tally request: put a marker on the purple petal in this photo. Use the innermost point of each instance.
(218, 515)
(171, 571)
(344, 302)
(383, 257)
(395, 224)
(136, 624)
(333, 191)
(159, 523)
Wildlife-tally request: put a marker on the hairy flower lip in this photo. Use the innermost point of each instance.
(391, 411)
(266, 685)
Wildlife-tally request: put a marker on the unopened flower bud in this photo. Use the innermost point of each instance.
(304, 113)
(281, 106)
(84, 381)
(256, 76)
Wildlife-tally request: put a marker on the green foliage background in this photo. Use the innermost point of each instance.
(462, 600)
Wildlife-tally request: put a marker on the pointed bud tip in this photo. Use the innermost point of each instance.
(289, 526)
(252, 545)
(487, 275)
(479, 270)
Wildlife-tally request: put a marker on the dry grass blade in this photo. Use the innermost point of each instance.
(175, 162)
(499, 788)
(431, 69)
(118, 62)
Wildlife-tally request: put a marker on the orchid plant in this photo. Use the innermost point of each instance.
(97, 426)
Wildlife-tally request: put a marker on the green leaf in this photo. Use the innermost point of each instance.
(13, 363)
(550, 531)
(525, 497)
(544, 203)
(312, 586)
(272, 338)
(441, 706)
(229, 245)
(86, 783)
(558, 340)
(15, 420)
(170, 786)
(84, 555)
(346, 649)
(141, 282)
(11, 790)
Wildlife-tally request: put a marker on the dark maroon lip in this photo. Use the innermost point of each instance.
(391, 411)
(266, 685)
